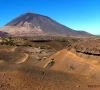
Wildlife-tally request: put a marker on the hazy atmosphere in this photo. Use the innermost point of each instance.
(76, 14)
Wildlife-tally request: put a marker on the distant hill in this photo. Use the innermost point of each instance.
(31, 24)
(3, 33)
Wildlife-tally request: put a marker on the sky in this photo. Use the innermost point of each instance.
(76, 14)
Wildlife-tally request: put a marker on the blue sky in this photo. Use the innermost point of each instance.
(76, 14)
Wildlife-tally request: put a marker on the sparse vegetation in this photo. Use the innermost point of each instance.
(26, 44)
(14, 42)
(7, 41)
(40, 55)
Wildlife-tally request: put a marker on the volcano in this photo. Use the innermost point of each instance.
(31, 24)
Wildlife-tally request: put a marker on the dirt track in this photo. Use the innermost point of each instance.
(22, 59)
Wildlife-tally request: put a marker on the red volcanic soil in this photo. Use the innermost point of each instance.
(69, 69)
(70, 61)
(24, 77)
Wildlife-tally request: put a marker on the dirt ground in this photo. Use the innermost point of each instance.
(25, 77)
(22, 68)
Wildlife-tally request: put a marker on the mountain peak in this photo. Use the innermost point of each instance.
(31, 12)
(36, 24)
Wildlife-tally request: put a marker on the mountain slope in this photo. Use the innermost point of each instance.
(30, 24)
(3, 33)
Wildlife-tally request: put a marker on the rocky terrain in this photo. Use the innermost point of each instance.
(91, 47)
(57, 64)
